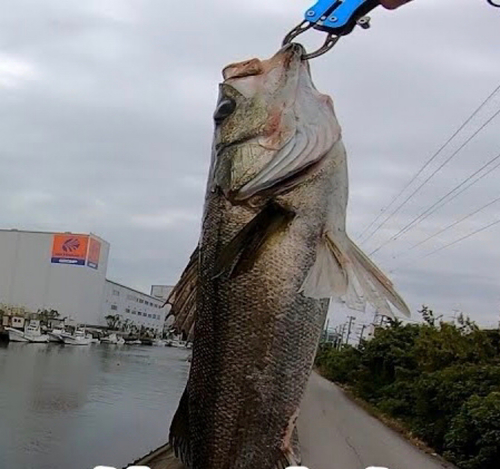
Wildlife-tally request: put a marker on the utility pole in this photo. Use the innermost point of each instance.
(351, 319)
(363, 327)
(342, 335)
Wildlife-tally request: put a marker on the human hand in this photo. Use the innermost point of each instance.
(392, 4)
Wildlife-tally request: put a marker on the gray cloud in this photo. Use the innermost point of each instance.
(106, 127)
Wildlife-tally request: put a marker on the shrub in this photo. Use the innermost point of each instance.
(473, 440)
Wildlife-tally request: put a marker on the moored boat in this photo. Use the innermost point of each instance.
(179, 344)
(133, 342)
(55, 335)
(113, 339)
(78, 338)
(31, 333)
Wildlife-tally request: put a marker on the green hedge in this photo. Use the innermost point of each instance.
(441, 380)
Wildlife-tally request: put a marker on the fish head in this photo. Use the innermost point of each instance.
(271, 124)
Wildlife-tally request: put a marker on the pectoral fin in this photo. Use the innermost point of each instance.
(240, 254)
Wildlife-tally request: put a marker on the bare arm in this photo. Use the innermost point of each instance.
(392, 4)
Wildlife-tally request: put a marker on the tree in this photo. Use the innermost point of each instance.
(473, 440)
(126, 325)
(441, 380)
(46, 315)
(113, 321)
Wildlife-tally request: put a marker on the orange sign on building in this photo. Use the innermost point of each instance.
(69, 249)
(94, 253)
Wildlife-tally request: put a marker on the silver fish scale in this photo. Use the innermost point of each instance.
(255, 337)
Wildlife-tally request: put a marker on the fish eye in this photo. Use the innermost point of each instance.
(225, 108)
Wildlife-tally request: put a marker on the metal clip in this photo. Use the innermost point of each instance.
(337, 18)
(330, 40)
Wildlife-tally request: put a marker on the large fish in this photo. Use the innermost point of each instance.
(273, 251)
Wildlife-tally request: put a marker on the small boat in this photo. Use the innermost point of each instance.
(55, 335)
(78, 338)
(133, 342)
(178, 344)
(31, 333)
(113, 339)
(159, 343)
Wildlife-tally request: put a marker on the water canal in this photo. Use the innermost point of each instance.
(64, 407)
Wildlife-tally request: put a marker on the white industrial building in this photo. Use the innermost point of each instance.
(66, 272)
(138, 308)
(40, 270)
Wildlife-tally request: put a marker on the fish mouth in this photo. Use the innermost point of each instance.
(289, 58)
(291, 55)
(293, 48)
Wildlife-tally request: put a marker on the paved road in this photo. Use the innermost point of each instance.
(337, 434)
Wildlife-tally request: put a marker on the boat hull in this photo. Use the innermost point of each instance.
(16, 336)
(55, 337)
(77, 341)
(20, 336)
(38, 339)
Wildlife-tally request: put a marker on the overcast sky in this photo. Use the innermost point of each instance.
(106, 111)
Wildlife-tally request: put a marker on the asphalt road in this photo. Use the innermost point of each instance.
(336, 434)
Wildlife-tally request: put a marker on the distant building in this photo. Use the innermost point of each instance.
(66, 272)
(61, 271)
(138, 308)
(162, 292)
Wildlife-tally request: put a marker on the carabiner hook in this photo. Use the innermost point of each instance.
(493, 4)
(330, 40)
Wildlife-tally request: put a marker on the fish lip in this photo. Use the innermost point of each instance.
(291, 55)
(297, 51)
(294, 48)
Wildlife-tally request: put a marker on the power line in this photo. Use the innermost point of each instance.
(433, 174)
(430, 160)
(441, 202)
(463, 238)
(454, 224)
(419, 219)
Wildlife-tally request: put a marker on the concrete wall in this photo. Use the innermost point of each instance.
(139, 308)
(28, 278)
